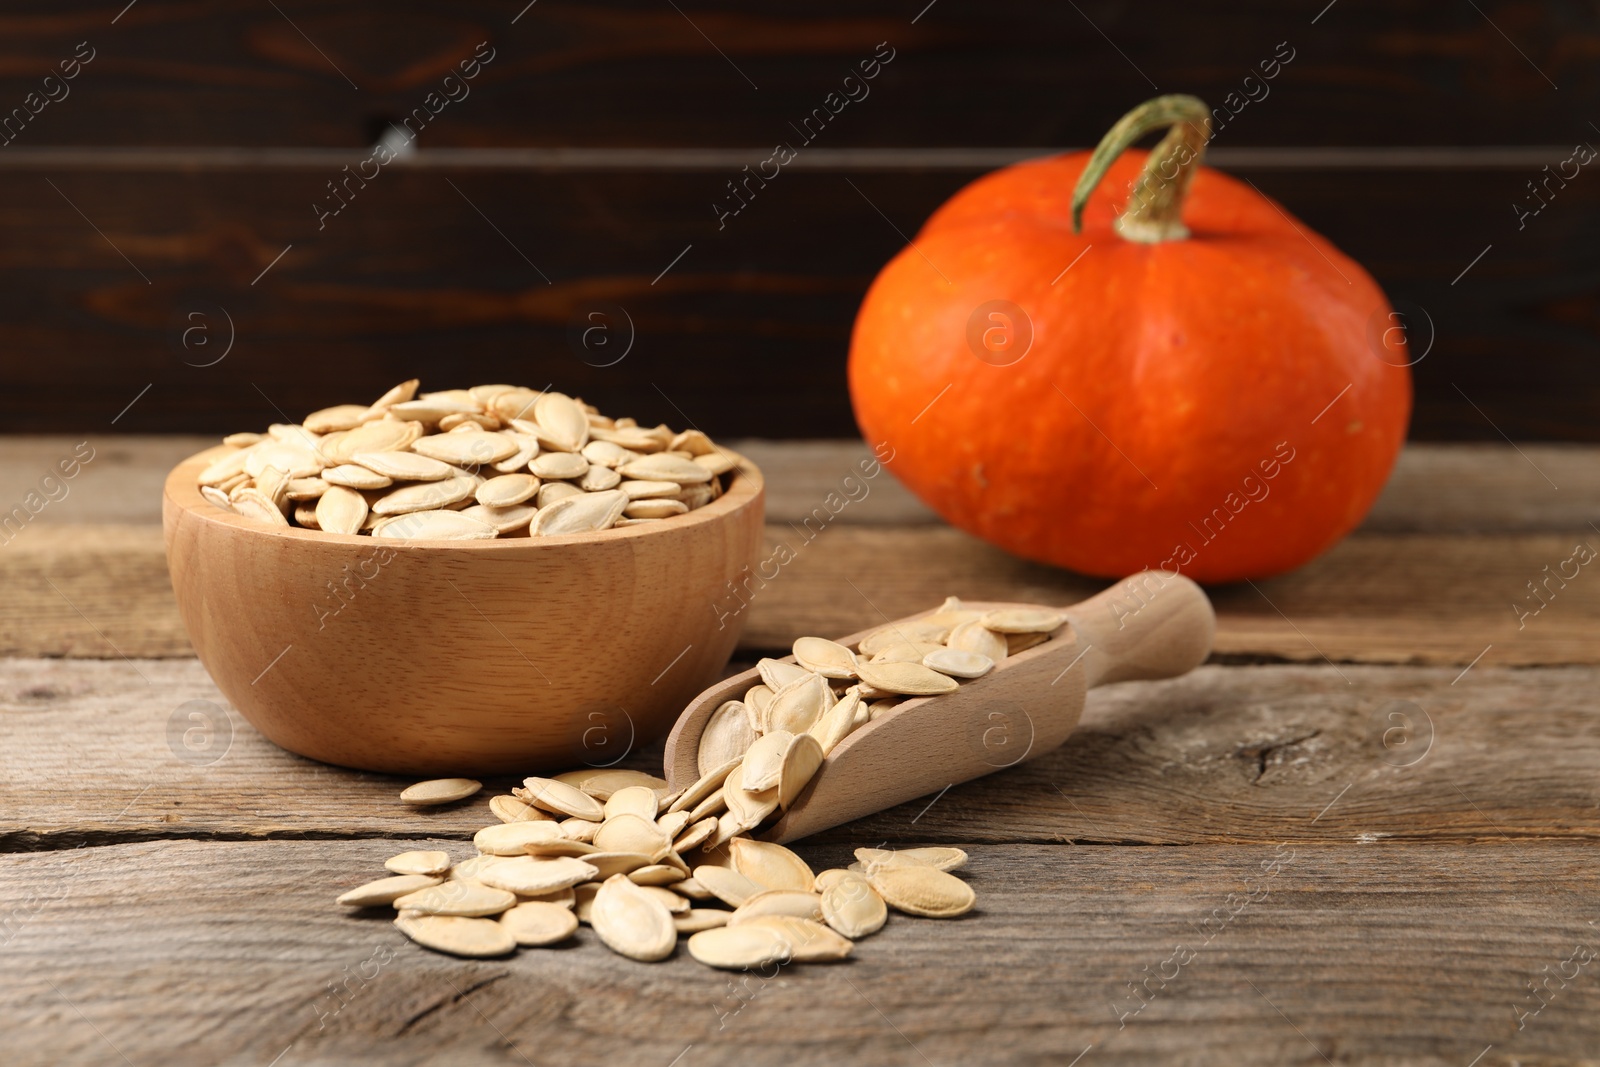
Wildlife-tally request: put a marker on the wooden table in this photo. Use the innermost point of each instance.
(1360, 835)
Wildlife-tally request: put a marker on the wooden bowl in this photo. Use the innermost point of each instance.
(461, 657)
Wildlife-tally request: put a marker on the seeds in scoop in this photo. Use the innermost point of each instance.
(386, 890)
(429, 863)
(530, 875)
(709, 782)
(440, 791)
(910, 679)
(763, 763)
(1023, 620)
(975, 637)
(800, 764)
(457, 898)
(739, 948)
(837, 722)
(747, 807)
(827, 658)
(632, 922)
(553, 795)
(797, 706)
(512, 838)
(458, 936)
(536, 923)
(921, 890)
(770, 865)
(727, 737)
(777, 674)
(853, 908)
(958, 664)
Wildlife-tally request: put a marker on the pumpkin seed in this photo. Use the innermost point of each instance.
(656, 874)
(536, 923)
(827, 658)
(957, 663)
(910, 679)
(630, 833)
(386, 890)
(341, 510)
(800, 764)
(727, 736)
(739, 948)
(726, 884)
(853, 908)
(553, 795)
(975, 637)
(507, 489)
(769, 865)
(797, 706)
(352, 476)
(579, 513)
(809, 941)
(439, 791)
(697, 834)
(637, 800)
(632, 922)
(708, 782)
(511, 838)
(777, 673)
(763, 763)
(405, 466)
(428, 863)
(922, 890)
(465, 898)
(562, 423)
(665, 467)
(559, 466)
(941, 858)
(1023, 620)
(613, 863)
(697, 919)
(458, 936)
(538, 874)
(800, 904)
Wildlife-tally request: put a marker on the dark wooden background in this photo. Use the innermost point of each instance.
(191, 149)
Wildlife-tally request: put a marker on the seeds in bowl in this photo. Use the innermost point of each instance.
(466, 464)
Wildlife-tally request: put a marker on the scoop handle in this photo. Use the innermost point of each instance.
(1148, 626)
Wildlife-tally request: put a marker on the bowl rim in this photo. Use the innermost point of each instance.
(182, 490)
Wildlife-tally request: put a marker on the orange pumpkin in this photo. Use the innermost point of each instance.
(1191, 380)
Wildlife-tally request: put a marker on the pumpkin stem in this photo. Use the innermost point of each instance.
(1155, 208)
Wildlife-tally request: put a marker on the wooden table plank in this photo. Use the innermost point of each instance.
(1435, 488)
(96, 753)
(181, 952)
(1373, 598)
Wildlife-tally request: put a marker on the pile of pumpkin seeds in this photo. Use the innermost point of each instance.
(642, 865)
(465, 464)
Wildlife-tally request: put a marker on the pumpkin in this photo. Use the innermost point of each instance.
(1116, 360)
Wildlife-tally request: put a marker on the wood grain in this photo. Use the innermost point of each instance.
(626, 72)
(97, 753)
(1381, 599)
(1434, 488)
(1373, 954)
(410, 279)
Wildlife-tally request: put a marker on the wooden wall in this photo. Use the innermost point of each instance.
(187, 155)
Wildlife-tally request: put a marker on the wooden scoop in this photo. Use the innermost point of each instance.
(1148, 626)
